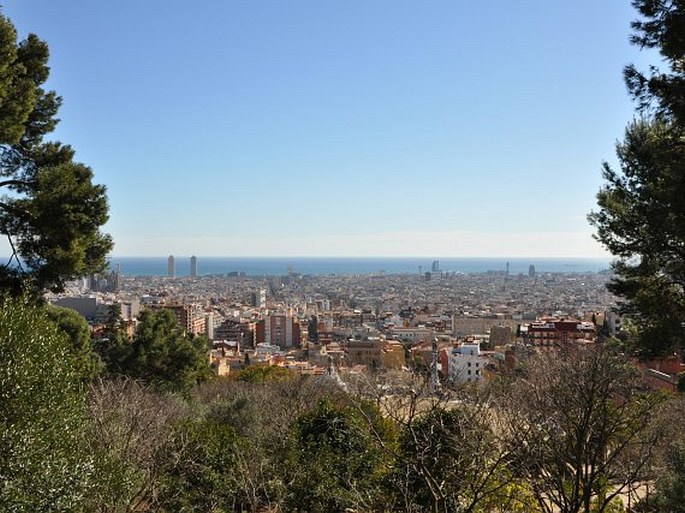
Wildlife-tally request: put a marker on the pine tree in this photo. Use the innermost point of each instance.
(51, 212)
(641, 216)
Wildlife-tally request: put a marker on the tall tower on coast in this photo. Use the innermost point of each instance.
(193, 266)
(171, 267)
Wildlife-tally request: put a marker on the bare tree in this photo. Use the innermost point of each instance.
(584, 426)
(131, 427)
(453, 454)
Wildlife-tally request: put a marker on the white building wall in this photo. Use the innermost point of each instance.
(465, 364)
(412, 335)
(613, 322)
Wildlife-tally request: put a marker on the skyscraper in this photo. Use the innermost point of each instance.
(193, 266)
(171, 267)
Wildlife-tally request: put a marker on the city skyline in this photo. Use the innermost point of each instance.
(355, 129)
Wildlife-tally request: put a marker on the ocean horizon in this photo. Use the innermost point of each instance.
(276, 266)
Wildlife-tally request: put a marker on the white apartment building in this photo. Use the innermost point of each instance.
(465, 363)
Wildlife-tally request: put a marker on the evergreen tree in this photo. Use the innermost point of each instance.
(663, 28)
(50, 210)
(160, 354)
(75, 326)
(337, 462)
(43, 467)
(641, 219)
(113, 346)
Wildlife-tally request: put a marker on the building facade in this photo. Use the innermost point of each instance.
(375, 353)
(279, 330)
(548, 333)
(465, 363)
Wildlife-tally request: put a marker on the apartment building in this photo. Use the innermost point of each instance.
(557, 332)
(278, 329)
(465, 363)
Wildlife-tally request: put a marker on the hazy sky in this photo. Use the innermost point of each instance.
(346, 127)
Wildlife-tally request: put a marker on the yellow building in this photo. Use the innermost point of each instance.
(375, 353)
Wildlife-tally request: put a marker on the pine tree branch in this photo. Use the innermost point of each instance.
(15, 183)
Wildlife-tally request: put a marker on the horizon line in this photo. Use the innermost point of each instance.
(434, 257)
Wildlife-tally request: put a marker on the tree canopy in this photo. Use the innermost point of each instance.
(42, 414)
(160, 354)
(641, 216)
(51, 212)
(75, 326)
(337, 462)
(583, 427)
(662, 27)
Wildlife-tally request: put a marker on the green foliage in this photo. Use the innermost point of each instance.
(671, 486)
(52, 212)
(264, 374)
(239, 412)
(235, 454)
(160, 354)
(452, 461)
(57, 225)
(113, 346)
(669, 496)
(509, 496)
(75, 326)
(42, 415)
(203, 480)
(336, 462)
(615, 505)
(642, 222)
(433, 452)
(662, 27)
(641, 216)
(17, 86)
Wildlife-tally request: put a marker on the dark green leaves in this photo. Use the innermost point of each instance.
(161, 353)
(53, 212)
(641, 216)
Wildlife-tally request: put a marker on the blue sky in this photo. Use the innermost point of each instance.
(342, 128)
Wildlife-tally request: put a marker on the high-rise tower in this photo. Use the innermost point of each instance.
(193, 266)
(171, 267)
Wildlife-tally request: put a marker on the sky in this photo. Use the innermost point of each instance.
(342, 127)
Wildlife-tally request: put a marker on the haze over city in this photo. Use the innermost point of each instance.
(350, 129)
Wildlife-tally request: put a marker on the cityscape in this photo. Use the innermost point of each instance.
(293, 319)
(342, 257)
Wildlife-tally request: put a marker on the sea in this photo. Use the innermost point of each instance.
(277, 266)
